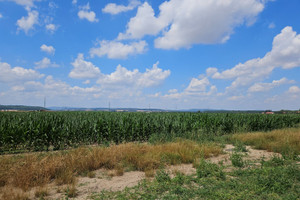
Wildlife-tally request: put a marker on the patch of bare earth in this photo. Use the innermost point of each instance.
(251, 155)
(103, 180)
(87, 186)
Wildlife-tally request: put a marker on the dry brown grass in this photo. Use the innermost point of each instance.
(71, 191)
(280, 141)
(9, 193)
(30, 170)
(41, 192)
(91, 174)
(150, 173)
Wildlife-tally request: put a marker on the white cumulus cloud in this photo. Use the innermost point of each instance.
(285, 54)
(27, 23)
(144, 23)
(45, 63)
(25, 3)
(263, 87)
(83, 69)
(118, 50)
(51, 28)
(198, 88)
(187, 22)
(17, 74)
(114, 9)
(86, 13)
(197, 85)
(123, 77)
(48, 49)
(294, 89)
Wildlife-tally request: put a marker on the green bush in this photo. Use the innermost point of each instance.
(237, 160)
(207, 169)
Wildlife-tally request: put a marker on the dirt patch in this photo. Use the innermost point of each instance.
(102, 180)
(252, 155)
(86, 186)
(186, 169)
(256, 155)
(223, 158)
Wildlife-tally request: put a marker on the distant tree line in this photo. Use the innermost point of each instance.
(21, 107)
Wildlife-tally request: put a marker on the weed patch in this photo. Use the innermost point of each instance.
(207, 169)
(237, 160)
(71, 191)
(274, 180)
(240, 147)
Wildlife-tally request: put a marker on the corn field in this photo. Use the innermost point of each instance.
(59, 130)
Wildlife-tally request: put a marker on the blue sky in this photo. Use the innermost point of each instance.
(175, 54)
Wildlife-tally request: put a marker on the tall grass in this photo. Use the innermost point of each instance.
(285, 141)
(37, 169)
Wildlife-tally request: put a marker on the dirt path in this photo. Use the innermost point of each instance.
(102, 181)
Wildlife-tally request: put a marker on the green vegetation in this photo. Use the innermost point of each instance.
(150, 142)
(207, 169)
(36, 131)
(237, 160)
(270, 181)
(21, 108)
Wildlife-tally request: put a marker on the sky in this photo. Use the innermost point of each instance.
(175, 54)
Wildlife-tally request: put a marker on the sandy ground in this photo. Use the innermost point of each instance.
(86, 186)
(251, 155)
(103, 181)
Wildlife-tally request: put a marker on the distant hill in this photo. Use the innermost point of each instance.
(221, 111)
(21, 107)
(152, 110)
(106, 109)
(34, 108)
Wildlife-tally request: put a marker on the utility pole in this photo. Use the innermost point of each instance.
(45, 102)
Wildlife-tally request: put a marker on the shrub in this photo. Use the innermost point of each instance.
(237, 160)
(207, 169)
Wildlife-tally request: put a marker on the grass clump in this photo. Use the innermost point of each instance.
(240, 147)
(71, 191)
(91, 174)
(41, 193)
(150, 173)
(237, 160)
(284, 141)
